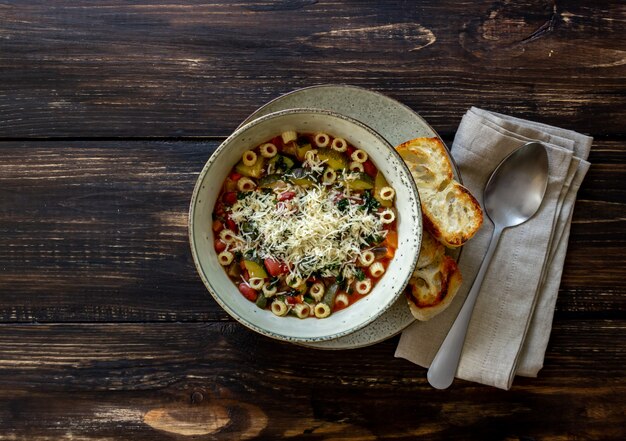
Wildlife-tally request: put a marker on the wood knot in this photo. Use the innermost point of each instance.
(506, 27)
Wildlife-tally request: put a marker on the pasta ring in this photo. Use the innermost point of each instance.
(317, 291)
(377, 269)
(279, 308)
(294, 281)
(225, 258)
(321, 140)
(342, 300)
(289, 136)
(245, 184)
(364, 286)
(227, 235)
(356, 167)
(339, 144)
(268, 150)
(256, 283)
(329, 176)
(301, 310)
(269, 291)
(367, 257)
(387, 216)
(322, 310)
(387, 193)
(359, 156)
(249, 158)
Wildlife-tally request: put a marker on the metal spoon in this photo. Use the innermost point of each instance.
(512, 195)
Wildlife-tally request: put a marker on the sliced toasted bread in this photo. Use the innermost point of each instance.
(451, 213)
(434, 282)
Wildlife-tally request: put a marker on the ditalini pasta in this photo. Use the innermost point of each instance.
(305, 224)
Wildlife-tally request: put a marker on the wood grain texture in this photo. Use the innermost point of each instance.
(157, 381)
(109, 110)
(97, 231)
(152, 68)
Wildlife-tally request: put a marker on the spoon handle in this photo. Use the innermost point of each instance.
(443, 367)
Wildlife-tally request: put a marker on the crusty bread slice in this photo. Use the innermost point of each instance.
(434, 282)
(451, 213)
(430, 250)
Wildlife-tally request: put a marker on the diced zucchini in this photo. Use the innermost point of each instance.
(255, 269)
(282, 162)
(234, 270)
(251, 171)
(301, 150)
(247, 227)
(379, 183)
(271, 181)
(335, 160)
(362, 182)
(330, 294)
(300, 177)
(261, 301)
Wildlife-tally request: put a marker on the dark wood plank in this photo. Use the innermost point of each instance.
(152, 68)
(145, 381)
(97, 231)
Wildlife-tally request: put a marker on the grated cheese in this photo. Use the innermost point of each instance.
(308, 232)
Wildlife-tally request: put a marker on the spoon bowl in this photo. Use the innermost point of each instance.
(516, 187)
(512, 195)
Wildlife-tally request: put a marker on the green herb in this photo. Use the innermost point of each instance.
(369, 202)
(242, 195)
(343, 204)
(274, 281)
(341, 281)
(308, 299)
(359, 274)
(373, 239)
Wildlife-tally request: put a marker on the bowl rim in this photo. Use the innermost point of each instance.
(190, 226)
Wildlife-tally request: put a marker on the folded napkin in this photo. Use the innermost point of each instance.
(512, 318)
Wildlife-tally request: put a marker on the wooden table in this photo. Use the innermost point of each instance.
(108, 112)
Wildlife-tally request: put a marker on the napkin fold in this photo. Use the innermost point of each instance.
(512, 318)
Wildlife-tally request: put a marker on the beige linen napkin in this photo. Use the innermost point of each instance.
(512, 319)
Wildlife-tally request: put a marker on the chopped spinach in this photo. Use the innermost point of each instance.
(369, 202)
(343, 204)
(359, 274)
(373, 239)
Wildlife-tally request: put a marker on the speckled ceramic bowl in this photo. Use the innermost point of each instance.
(343, 322)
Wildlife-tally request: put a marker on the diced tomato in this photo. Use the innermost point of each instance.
(219, 246)
(392, 239)
(370, 168)
(275, 268)
(235, 176)
(248, 292)
(230, 197)
(278, 142)
(286, 195)
(219, 209)
(231, 224)
(292, 300)
(217, 226)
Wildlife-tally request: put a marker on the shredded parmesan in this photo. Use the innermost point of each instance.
(309, 232)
